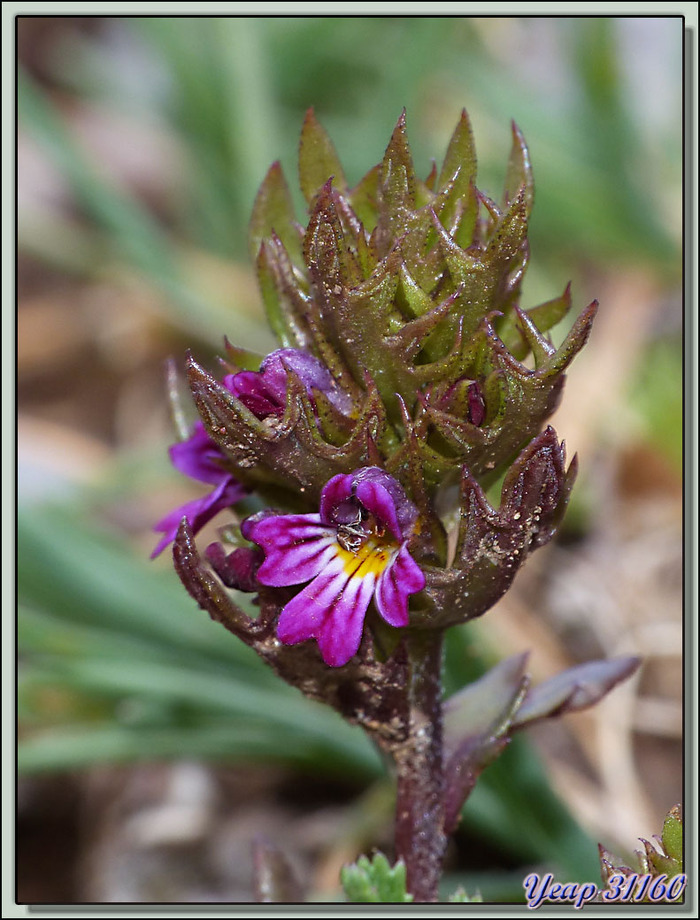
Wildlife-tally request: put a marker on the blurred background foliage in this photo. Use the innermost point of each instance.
(141, 144)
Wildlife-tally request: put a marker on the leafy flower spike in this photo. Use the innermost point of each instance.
(264, 393)
(354, 549)
(407, 361)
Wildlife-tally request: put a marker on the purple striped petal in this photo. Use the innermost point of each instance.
(341, 634)
(377, 500)
(406, 511)
(336, 493)
(198, 512)
(399, 579)
(332, 610)
(297, 547)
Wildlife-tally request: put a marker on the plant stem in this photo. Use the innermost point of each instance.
(419, 830)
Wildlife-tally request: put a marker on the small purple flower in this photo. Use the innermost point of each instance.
(264, 392)
(200, 458)
(354, 550)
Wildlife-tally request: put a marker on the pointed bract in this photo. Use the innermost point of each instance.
(493, 544)
(519, 173)
(274, 210)
(318, 160)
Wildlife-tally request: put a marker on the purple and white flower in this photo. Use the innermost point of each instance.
(354, 550)
(264, 393)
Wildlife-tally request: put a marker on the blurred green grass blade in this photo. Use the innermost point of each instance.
(84, 574)
(138, 234)
(212, 214)
(95, 603)
(248, 109)
(132, 231)
(104, 624)
(84, 746)
(605, 119)
(224, 110)
(61, 242)
(656, 394)
(280, 725)
(280, 708)
(43, 633)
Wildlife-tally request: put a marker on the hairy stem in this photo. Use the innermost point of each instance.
(419, 830)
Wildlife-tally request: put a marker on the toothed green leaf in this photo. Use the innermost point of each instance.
(461, 154)
(672, 836)
(283, 301)
(574, 342)
(318, 160)
(397, 187)
(375, 881)
(545, 316)
(364, 197)
(519, 174)
(274, 210)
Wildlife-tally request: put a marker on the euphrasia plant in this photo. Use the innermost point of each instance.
(401, 391)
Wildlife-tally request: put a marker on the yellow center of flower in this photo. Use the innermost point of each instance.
(370, 558)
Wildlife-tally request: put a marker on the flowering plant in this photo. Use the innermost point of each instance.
(402, 391)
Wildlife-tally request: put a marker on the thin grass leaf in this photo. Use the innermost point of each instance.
(131, 230)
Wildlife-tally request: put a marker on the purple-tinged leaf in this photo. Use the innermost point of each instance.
(285, 303)
(574, 689)
(544, 316)
(477, 723)
(363, 198)
(509, 235)
(574, 341)
(397, 188)
(331, 264)
(483, 707)
(492, 544)
(541, 349)
(663, 858)
(672, 834)
(208, 592)
(548, 314)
